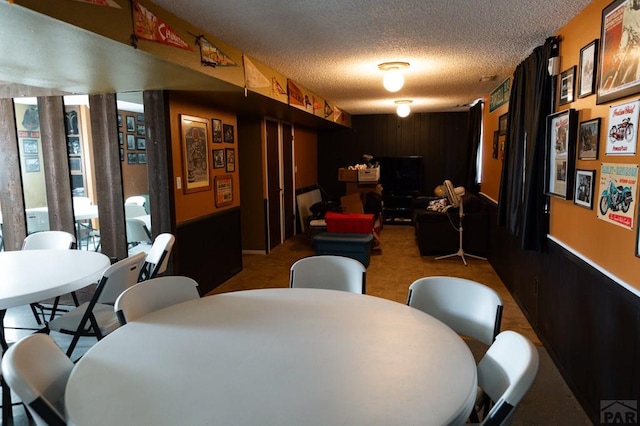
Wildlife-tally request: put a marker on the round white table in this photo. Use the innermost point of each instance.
(276, 357)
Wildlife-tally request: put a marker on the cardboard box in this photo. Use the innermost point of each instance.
(369, 175)
(346, 175)
(352, 204)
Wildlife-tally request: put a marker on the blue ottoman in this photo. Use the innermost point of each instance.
(355, 246)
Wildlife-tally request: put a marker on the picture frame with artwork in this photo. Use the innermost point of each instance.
(131, 142)
(216, 130)
(218, 158)
(120, 138)
(616, 73)
(587, 69)
(494, 149)
(30, 146)
(32, 164)
(584, 188)
(142, 158)
(622, 137)
(195, 153)
(132, 158)
(502, 124)
(141, 144)
(567, 86)
(75, 164)
(141, 130)
(131, 123)
(589, 139)
(223, 190)
(560, 154)
(230, 154)
(119, 120)
(228, 133)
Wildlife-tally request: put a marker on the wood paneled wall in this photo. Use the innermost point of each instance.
(441, 138)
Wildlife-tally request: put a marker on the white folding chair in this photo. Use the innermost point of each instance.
(505, 374)
(151, 295)
(52, 240)
(157, 258)
(329, 272)
(134, 210)
(97, 318)
(468, 307)
(137, 200)
(137, 232)
(37, 370)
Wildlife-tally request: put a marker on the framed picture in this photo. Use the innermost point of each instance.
(141, 144)
(567, 85)
(502, 124)
(224, 190)
(587, 69)
(75, 164)
(216, 128)
(585, 185)
(560, 153)
(623, 129)
(617, 77)
(230, 153)
(142, 158)
(119, 120)
(131, 142)
(494, 151)
(73, 145)
(120, 138)
(131, 123)
(140, 118)
(589, 139)
(30, 146)
(218, 158)
(140, 130)
(31, 164)
(121, 154)
(227, 133)
(195, 153)
(132, 158)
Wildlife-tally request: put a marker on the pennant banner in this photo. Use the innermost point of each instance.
(107, 3)
(277, 88)
(296, 97)
(148, 26)
(328, 111)
(252, 75)
(211, 56)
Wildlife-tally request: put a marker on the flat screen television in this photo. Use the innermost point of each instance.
(401, 175)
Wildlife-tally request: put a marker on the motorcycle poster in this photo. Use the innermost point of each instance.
(623, 128)
(617, 194)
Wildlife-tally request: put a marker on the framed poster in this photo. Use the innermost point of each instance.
(502, 124)
(142, 158)
(195, 153)
(230, 153)
(218, 158)
(227, 133)
(224, 190)
(131, 123)
(140, 130)
(141, 144)
(216, 129)
(132, 158)
(560, 153)
(131, 142)
(618, 186)
(617, 62)
(567, 85)
(587, 69)
(623, 128)
(589, 139)
(585, 183)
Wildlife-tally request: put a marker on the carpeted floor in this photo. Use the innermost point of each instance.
(392, 269)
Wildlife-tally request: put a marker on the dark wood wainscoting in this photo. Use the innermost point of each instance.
(209, 249)
(589, 324)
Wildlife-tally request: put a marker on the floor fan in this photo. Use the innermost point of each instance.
(454, 196)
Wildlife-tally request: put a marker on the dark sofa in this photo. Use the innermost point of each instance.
(436, 232)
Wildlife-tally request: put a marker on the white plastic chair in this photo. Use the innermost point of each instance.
(97, 318)
(37, 370)
(137, 232)
(329, 272)
(470, 308)
(151, 295)
(137, 200)
(134, 210)
(505, 374)
(52, 240)
(157, 258)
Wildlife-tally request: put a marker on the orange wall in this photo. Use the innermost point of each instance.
(306, 154)
(201, 203)
(607, 245)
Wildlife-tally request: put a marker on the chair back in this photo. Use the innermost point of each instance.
(57, 240)
(137, 231)
(151, 295)
(157, 258)
(81, 202)
(117, 278)
(470, 308)
(37, 370)
(134, 210)
(138, 200)
(505, 374)
(329, 272)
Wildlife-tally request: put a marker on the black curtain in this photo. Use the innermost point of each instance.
(522, 205)
(475, 134)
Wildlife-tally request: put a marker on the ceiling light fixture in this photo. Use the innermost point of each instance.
(404, 108)
(393, 79)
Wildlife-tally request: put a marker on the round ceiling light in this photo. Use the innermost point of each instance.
(404, 107)
(393, 79)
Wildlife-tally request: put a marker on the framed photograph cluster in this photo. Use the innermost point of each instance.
(222, 132)
(560, 153)
(131, 137)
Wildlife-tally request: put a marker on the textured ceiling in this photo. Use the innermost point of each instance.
(333, 47)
